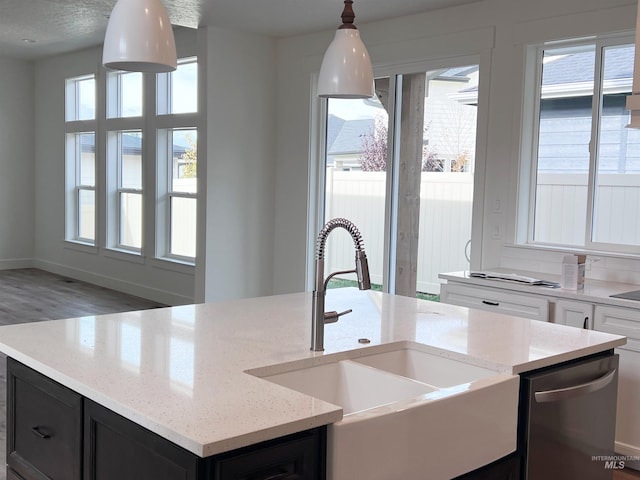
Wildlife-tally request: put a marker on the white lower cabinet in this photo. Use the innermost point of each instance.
(574, 314)
(581, 314)
(625, 321)
(496, 300)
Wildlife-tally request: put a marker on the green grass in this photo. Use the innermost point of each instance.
(340, 283)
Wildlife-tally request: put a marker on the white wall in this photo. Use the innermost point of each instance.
(236, 219)
(429, 37)
(240, 146)
(16, 163)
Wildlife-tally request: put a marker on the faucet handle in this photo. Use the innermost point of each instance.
(333, 316)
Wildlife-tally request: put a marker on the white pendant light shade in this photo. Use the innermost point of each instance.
(139, 38)
(633, 100)
(346, 70)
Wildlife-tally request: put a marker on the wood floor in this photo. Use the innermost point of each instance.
(30, 295)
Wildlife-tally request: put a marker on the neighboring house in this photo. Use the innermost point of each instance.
(565, 126)
(565, 116)
(132, 151)
(344, 141)
(449, 125)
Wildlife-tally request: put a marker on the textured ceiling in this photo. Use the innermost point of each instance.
(35, 28)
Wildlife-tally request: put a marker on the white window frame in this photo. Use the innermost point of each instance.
(166, 194)
(395, 73)
(164, 124)
(530, 144)
(116, 191)
(73, 158)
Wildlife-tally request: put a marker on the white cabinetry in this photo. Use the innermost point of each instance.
(592, 309)
(574, 314)
(495, 300)
(625, 321)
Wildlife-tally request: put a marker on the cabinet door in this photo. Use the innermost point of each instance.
(118, 449)
(44, 426)
(625, 321)
(535, 307)
(574, 314)
(300, 456)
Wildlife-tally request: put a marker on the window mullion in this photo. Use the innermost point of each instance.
(535, 144)
(391, 206)
(598, 80)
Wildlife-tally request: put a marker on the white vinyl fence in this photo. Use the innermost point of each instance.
(560, 215)
(445, 217)
(445, 222)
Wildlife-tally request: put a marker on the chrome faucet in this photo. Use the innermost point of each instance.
(318, 316)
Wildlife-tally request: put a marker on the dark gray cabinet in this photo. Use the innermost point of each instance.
(44, 428)
(294, 457)
(55, 433)
(117, 448)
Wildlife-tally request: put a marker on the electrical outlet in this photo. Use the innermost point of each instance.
(497, 206)
(495, 233)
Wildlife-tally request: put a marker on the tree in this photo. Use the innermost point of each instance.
(374, 151)
(190, 158)
(374, 148)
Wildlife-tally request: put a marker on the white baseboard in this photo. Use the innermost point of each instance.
(154, 294)
(16, 263)
(632, 452)
(626, 449)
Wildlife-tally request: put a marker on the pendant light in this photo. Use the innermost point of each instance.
(346, 68)
(139, 38)
(633, 100)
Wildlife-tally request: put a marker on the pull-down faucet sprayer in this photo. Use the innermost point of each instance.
(318, 315)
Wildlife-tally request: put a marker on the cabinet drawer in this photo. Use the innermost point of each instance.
(493, 300)
(300, 456)
(620, 321)
(44, 426)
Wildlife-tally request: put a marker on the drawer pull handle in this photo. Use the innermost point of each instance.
(284, 476)
(36, 431)
(493, 304)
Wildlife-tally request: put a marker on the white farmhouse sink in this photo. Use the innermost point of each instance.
(352, 386)
(427, 368)
(409, 414)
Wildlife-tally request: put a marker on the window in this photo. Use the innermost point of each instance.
(80, 98)
(131, 166)
(125, 149)
(178, 90)
(124, 94)
(80, 171)
(585, 175)
(177, 153)
(400, 166)
(125, 159)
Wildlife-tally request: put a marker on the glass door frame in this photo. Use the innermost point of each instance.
(317, 156)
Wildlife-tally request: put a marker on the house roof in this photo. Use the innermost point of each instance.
(131, 144)
(578, 67)
(347, 138)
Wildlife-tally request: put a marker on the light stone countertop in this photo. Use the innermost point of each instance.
(180, 371)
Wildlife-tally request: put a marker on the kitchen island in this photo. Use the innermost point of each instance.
(181, 372)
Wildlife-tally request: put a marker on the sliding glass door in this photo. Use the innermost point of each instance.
(400, 166)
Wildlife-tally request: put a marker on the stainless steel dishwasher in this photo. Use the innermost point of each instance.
(570, 420)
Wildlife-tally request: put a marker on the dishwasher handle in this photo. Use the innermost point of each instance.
(575, 391)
